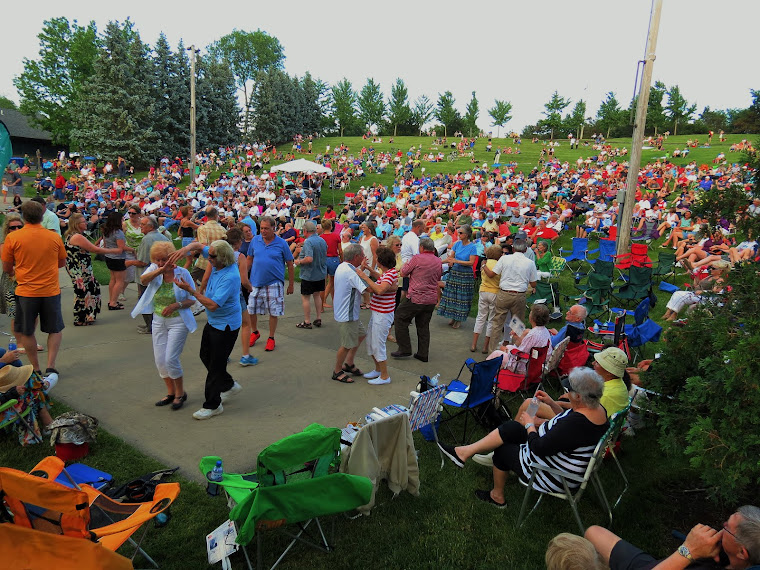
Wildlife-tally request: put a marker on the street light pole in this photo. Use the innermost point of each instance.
(192, 51)
(629, 197)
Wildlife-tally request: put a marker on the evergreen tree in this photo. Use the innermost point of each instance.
(370, 104)
(678, 109)
(500, 114)
(114, 115)
(170, 91)
(552, 123)
(470, 119)
(656, 119)
(326, 108)
(610, 116)
(217, 110)
(576, 119)
(421, 112)
(344, 100)
(312, 113)
(747, 121)
(399, 112)
(269, 104)
(447, 114)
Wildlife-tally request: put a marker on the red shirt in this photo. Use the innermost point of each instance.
(333, 241)
(546, 233)
(330, 215)
(385, 302)
(424, 271)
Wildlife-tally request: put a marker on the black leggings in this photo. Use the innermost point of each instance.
(507, 457)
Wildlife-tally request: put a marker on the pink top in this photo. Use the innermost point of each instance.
(424, 271)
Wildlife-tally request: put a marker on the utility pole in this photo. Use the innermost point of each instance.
(192, 51)
(629, 193)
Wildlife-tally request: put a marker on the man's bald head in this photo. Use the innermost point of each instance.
(577, 314)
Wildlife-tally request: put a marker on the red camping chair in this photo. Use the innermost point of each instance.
(516, 382)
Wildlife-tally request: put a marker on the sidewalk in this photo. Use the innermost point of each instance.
(107, 371)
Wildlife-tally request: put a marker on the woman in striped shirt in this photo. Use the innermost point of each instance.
(565, 442)
(382, 304)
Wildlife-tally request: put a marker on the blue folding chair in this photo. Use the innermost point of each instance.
(606, 251)
(468, 398)
(579, 253)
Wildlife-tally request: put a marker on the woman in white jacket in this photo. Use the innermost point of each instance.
(172, 318)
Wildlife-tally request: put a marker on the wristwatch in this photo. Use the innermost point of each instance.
(684, 551)
(530, 425)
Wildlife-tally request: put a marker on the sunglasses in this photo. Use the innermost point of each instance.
(134, 213)
(11, 228)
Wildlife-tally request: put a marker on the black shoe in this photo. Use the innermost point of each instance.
(485, 496)
(448, 451)
(178, 405)
(399, 354)
(166, 401)
(422, 358)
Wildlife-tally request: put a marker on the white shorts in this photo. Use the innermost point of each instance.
(377, 335)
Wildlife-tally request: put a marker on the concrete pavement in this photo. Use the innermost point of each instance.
(107, 371)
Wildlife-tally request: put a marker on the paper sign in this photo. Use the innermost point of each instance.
(220, 543)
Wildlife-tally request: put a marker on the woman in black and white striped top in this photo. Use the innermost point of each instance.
(564, 442)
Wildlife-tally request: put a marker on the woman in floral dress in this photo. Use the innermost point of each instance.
(79, 268)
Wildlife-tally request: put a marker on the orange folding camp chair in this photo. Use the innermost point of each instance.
(37, 502)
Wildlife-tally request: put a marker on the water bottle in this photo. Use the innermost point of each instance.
(434, 380)
(532, 407)
(596, 328)
(12, 344)
(214, 477)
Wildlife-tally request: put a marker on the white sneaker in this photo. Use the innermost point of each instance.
(50, 381)
(379, 381)
(205, 413)
(231, 392)
(373, 374)
(486, 460)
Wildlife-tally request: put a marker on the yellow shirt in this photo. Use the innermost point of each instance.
(614, 396)
(489, 284)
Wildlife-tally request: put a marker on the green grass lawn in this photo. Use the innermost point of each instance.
(445, 527)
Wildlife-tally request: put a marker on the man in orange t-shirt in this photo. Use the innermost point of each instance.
(33, 255)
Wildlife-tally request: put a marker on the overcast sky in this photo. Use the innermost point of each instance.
(515, 51)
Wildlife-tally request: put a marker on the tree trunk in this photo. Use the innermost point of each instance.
(394, 130)
(341, 131)
(675, 127)
(608, 132)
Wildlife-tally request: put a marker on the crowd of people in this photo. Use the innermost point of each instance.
(388, 255)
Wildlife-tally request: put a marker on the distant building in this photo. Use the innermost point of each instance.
(25, 138)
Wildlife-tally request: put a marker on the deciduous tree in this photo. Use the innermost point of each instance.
(470, 119)
(399, 112)
(344, 101)
(678, 109)
(370, 104)
(501, 114)
(421, 112)
(447, 114)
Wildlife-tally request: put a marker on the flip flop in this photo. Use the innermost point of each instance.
(342, 377)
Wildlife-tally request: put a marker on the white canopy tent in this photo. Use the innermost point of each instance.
(302, 165)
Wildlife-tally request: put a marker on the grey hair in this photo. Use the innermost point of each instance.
(351, 251)
(224, 252)
(269, 220)
(582, 311)
(427, 244)
(587, 384)
(748, 531)
(466, 229)
(520, 245)
(310, 227)
(153, 221)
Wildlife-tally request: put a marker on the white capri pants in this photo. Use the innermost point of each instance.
(377, 334)
(169, 336)
(681, 299)
(486, 311)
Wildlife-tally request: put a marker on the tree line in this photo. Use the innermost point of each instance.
(111, 94)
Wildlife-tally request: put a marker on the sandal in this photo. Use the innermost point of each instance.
(342, 377)
(352, 370)
(317, 323)
(303, 325)
(364, 306)
(456, 325)
(117, 307)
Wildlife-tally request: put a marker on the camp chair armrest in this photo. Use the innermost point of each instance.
(557, 472)
(51, 466)
(519, 354)
(146, 511)
(8, 405)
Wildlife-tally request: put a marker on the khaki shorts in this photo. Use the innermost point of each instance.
(350, 333)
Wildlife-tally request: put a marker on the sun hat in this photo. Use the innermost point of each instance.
(613, 360)
(11, 376)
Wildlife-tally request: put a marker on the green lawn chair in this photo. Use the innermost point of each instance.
(638, 285)
(295, 483)
(666, 265)
(596, 297)
(9, 415)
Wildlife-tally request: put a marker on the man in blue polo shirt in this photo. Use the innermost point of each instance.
(222, 303)
(272, 254)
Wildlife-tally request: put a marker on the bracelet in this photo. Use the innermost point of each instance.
(530, 425)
